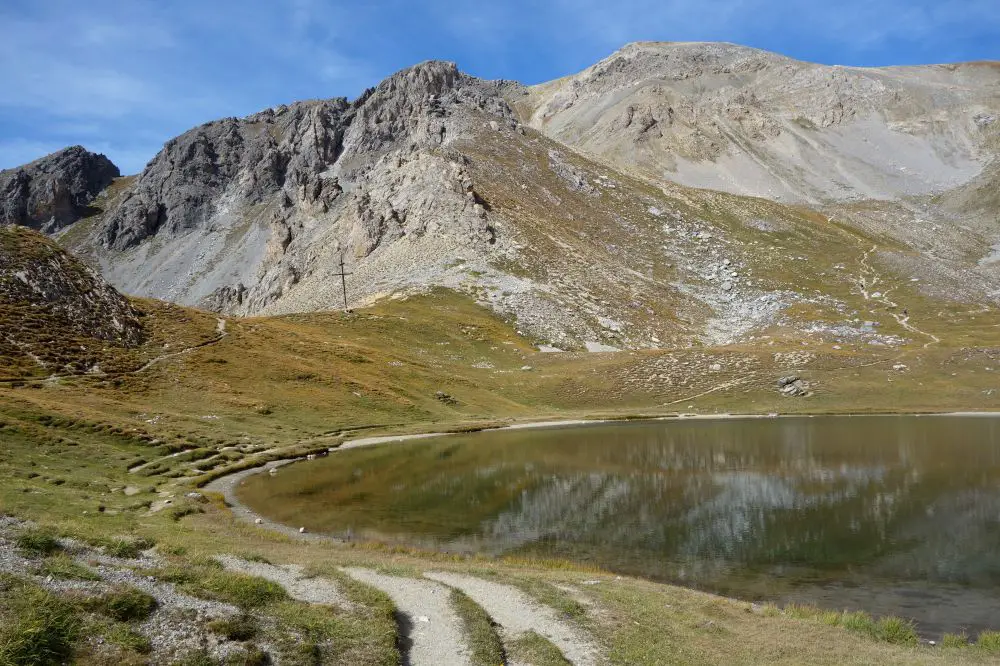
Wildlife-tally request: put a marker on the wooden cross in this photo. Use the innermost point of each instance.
(343, 280)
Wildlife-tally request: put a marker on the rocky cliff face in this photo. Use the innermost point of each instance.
(235, 213)
(54, 191)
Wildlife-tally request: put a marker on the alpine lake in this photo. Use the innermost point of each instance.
(887, 514)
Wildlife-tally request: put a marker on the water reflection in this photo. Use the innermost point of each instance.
(820, 509)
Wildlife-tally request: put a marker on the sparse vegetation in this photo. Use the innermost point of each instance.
(241, 627)
(487, 649)
(35, 542)
(38, 628)
(64, 567)
(125, 604)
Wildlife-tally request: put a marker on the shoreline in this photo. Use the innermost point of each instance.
(226, 485)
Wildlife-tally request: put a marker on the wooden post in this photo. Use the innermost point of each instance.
(343, 280)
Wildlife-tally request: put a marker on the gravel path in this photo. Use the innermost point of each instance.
(517, 613)
(432, 628)
(298, 586)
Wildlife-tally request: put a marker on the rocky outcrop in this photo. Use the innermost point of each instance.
(54, 191)
(294, 156)
(56, 315)
(36, 274)
(235, 214)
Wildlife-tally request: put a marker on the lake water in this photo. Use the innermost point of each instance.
(881, 513)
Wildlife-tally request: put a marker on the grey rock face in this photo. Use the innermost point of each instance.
(54, 191)
(299, 152)
(244, 161)
(741, 120)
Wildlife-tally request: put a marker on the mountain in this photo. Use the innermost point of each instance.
(671, 195)
(746, 121)
(54, 191)
(56, 315)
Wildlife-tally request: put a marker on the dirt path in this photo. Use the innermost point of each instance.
(430, 629)
(220, 328)
(518, 613)
(298, 586)
(868, 279)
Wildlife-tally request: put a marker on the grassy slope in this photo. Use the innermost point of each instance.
(303, 382)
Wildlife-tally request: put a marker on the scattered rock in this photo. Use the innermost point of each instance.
(445, 398)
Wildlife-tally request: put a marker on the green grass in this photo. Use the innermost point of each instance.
(950, 640)
(989, 641)
(128, 638)
(889, 628)
(241, 627)
(64, 567)
(243, 591)
(125, 604)
(127, 548)
(39, 628)
(480, 630)
(37, 542)
(535, 649)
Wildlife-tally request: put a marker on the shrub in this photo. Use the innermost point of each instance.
(955, 640)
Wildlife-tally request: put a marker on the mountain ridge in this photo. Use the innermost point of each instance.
(556, 206)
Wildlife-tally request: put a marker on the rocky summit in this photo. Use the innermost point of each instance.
(670, 195)
(54, 191)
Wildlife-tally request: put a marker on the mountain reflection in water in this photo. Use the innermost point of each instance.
(889, 514)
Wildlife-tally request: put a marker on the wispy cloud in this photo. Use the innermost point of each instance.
(126, 76)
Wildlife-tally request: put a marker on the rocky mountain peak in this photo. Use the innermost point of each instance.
(54, 191)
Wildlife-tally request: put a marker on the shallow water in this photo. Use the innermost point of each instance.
(887, 514)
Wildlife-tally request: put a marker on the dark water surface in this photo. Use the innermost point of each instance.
(886, 514)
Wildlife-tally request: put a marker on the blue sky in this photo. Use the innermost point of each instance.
(123, 76)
